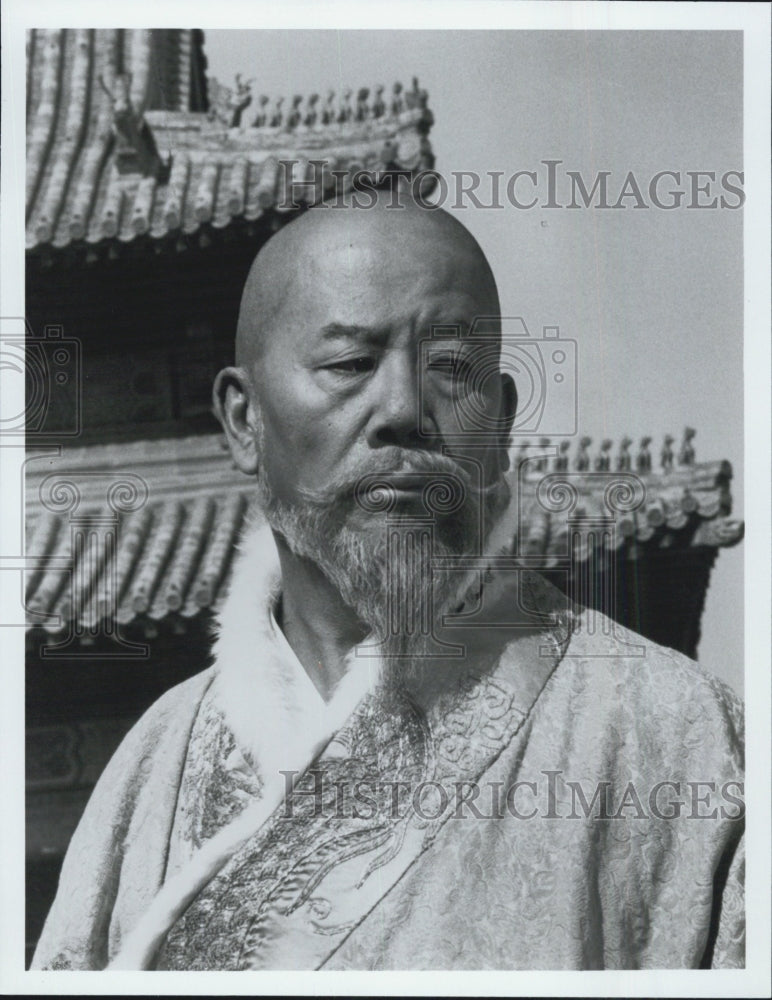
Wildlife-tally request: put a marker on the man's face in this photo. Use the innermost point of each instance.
(343, 385)
(345, 399)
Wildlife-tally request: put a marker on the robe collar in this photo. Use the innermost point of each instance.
(270, 704)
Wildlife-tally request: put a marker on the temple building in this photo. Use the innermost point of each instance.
(150, 188)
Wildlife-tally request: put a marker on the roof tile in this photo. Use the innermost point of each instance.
(164, 552)
(86, 186)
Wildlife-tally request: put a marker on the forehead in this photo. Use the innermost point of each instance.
(381, 280)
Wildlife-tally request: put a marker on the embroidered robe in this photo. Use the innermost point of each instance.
(560, 797)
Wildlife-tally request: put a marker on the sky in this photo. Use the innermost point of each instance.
(652, 298)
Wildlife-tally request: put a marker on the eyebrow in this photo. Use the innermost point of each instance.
(339, 331)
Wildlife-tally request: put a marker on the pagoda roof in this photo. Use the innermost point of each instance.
(175, 508)
(113, 160)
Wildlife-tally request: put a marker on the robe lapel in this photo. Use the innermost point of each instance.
(373, 803)
(281, 726)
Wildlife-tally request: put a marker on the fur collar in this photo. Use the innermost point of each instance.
(278, 718)
(273, 709)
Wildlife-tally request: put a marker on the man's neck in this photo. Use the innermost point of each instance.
(319, 627)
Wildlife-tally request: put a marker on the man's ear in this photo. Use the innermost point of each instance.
(234, 407)
(508, 411)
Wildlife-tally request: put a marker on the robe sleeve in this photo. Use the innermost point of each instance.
(116, 859)
(726, 941)
(728, 946)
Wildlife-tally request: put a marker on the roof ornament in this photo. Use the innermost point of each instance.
(328, 114)
(277, 117)
(542, 460)
(624, 462)
(295, 115)
(379, 105)
(362, 111)
(416, 98)
(603, 458)
(242, 101)
(582, 458)
(686, 452)
(225, 106)
(397, 101)
(311, 114)
(261, 119)
(135, 148)
(643, 458)
(344, 114)
(666, 454)
(561, 459)
(358, 106)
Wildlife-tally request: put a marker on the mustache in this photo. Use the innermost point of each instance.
(372, 474)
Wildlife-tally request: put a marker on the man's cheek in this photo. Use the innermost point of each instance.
(439, 410)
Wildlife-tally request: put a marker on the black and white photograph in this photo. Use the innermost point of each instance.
(385, 498)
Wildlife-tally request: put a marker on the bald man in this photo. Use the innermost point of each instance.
(410, 753)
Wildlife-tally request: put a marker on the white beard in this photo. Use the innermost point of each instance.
(385, 570)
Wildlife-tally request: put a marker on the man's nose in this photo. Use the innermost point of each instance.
(396, 415)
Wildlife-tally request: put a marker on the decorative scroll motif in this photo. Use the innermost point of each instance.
(443, 494)
(591, 536)
(622, 493)
(91, 581)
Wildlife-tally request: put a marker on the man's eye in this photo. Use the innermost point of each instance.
(352, 366)
(452, 365)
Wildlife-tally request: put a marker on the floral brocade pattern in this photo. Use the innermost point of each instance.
(494, 891)
(217, 783)
(565, 891)
(386, 748)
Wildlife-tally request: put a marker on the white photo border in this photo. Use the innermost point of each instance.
(754, 21)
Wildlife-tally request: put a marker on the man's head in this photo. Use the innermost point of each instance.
(340, 375)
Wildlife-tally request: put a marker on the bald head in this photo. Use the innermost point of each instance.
(336, 251)
(358, 332)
